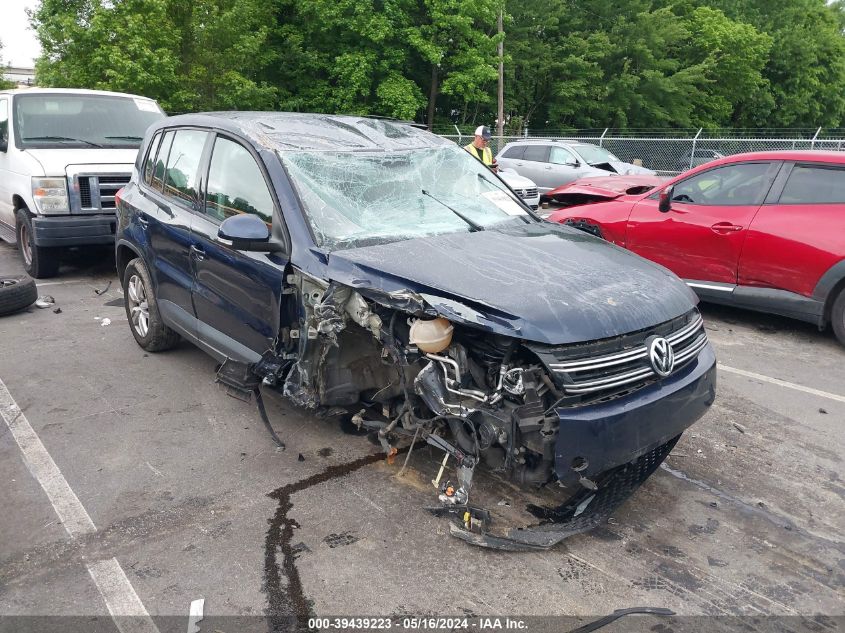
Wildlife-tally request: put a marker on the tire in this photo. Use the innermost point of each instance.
(837, 316)
(145, 321)
(16, 293)
(38, 261)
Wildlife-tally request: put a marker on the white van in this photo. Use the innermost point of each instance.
(64, 154)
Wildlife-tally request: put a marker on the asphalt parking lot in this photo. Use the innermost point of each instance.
(187, 497)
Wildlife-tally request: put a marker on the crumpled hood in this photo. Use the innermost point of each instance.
(56, 161)
(609, 187)
(541, 282)
(628, 169)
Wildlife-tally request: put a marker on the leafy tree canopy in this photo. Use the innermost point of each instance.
(616, 63)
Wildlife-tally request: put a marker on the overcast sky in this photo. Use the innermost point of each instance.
(20, 47)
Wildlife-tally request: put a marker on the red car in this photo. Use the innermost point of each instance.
(764, 230)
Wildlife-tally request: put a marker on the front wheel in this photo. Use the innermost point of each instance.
(145, 321)
(38, 261)
(837, 316)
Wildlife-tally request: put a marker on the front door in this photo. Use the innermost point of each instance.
(6, 209)
(237, 294)
(701, 237)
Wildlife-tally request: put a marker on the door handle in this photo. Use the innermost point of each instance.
(725, 227)
(144, 222)
(520, 164)
(548, 167)
(197, 253)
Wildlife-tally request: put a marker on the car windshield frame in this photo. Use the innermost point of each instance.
(353, 198)
(120, 132)
(594, 148)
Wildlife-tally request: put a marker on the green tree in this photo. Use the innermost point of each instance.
(4, 83)
(189, 55)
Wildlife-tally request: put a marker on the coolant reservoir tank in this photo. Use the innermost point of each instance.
(431, 336)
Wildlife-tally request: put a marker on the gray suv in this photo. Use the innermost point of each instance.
(551, 163)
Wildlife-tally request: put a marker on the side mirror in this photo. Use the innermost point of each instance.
(247, 232)
(4, 144)
(572, 163)
(664, 204)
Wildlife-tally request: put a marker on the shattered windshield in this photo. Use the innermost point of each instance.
(594, 154)
(360, 198)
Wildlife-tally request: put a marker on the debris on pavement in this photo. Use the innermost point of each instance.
(45, 301)
(105, 321)
(738, 427)
(195, 615)
(104, 290)
(57, 311)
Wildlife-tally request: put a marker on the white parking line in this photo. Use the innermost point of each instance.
(120, 597)
(65, 502)
(123, 603)
(781, 383)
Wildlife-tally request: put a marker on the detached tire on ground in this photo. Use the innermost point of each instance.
(16, 293)
(837, 316)
(149, 330)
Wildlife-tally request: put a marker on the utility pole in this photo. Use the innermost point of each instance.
(500, 123)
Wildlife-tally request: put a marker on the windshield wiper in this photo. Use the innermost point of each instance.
(473, 225)
(127, 138)
(60, 138)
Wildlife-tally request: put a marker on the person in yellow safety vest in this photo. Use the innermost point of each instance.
(480, 146)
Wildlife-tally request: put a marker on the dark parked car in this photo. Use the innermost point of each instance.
(763, 230)
(344, 259)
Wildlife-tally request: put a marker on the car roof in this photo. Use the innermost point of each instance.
(285, 131)
(793, 154)
(73, 91)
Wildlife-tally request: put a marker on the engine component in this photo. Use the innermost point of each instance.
(432, 336)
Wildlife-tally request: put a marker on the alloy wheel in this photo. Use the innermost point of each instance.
(138, 306)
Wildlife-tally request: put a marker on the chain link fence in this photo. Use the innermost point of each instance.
(670, 152)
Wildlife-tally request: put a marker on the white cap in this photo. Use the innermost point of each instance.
(483, 131)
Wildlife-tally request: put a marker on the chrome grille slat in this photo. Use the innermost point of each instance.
(630, 368)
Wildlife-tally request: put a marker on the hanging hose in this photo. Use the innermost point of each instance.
(263, 413)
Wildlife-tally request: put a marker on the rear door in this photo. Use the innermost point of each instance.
(702, 236)
(799, 233)
(510, 158)
(163, 213)
(237, 295)
(533, 165)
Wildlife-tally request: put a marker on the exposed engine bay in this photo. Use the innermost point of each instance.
(477, 396)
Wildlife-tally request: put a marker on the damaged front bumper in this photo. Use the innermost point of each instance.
(604, 452)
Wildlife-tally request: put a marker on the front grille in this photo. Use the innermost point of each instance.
(526, 193)
(97, 193)
(615, 367)
(85, 192)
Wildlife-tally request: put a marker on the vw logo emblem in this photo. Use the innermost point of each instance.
(661, 356)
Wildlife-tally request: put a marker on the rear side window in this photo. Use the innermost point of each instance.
(149, 164)
(814, 184)
(537, 153)
(514, 152)
(161, 160)
(236, 183)
(180, 180)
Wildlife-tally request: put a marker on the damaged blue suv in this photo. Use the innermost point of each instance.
(343, 259)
